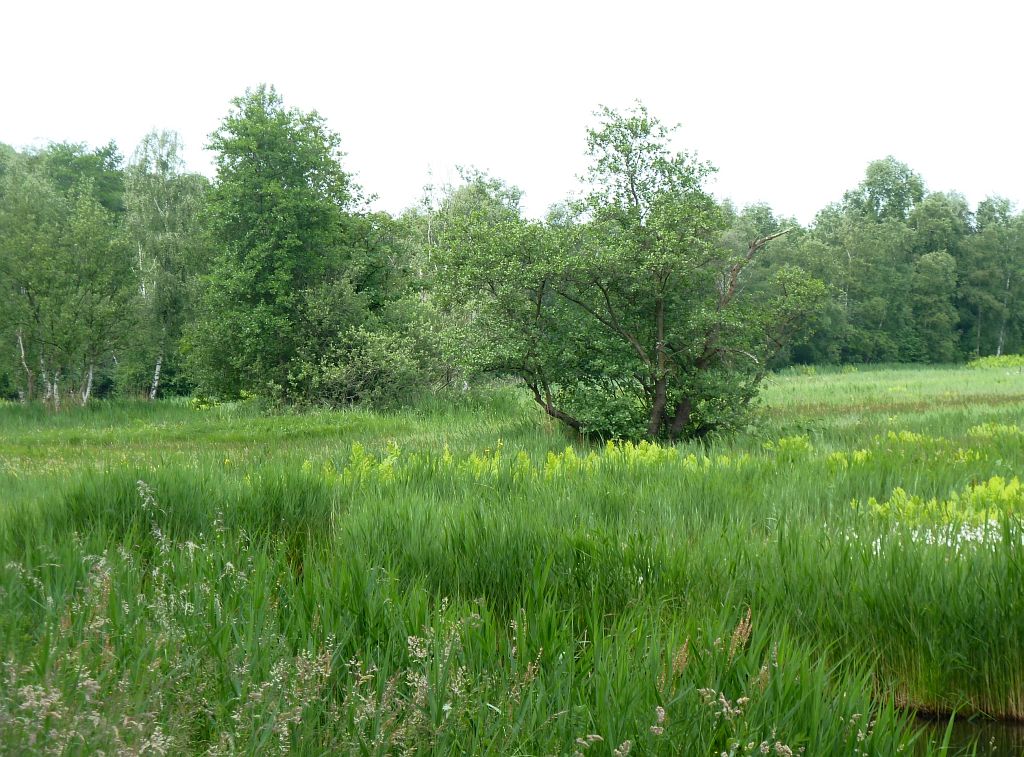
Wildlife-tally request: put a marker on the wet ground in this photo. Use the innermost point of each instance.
(996, 737)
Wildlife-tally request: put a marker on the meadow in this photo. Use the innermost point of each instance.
(465, 577)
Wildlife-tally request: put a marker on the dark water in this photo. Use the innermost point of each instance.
(991, 737)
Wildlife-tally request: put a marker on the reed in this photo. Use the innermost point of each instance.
(225, 580)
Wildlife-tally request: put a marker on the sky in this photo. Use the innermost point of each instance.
(790, 100)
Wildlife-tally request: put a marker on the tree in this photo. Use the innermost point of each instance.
(98, 278)
(820, 340)
(162, 223)
(67, 281)
(628, 316)
(33, 219)
(889, 192)
(992, 281)
(305, 300)
(878, 238)
(66, 165)
(279, 223)
(933, 287)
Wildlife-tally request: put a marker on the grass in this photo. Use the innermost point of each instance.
(472, 580)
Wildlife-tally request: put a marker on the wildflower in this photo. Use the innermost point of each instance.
(417, 647)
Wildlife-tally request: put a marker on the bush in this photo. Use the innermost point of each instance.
(998, 361)
(377, 368)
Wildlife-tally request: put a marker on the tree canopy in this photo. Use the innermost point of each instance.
(628, 317)
(644, 307)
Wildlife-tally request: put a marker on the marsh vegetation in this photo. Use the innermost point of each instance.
(179, 577)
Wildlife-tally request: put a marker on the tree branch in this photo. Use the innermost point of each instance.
(545, 401)
(612, 324)
(734, 272)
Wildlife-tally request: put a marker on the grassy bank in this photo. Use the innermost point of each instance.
(473, 580)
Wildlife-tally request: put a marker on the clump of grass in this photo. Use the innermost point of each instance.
(217, 645)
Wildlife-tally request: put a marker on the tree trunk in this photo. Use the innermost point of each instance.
(658, 407)
(681, 418)
(660, 399)
(1002, 324)
(56, 389)
(977, 350)
(87, 391)
(29, 378)
(47, 386)
(156, 378)
(549, 407)
(142, 273)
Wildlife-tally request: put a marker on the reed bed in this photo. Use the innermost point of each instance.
(222, 580)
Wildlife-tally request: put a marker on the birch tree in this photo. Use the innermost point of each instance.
(67, 285)
(33, 221)
(992, 286)
(162, 225)
(99, 286)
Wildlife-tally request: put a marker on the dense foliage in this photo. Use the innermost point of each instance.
(626, 317)
(644, 308)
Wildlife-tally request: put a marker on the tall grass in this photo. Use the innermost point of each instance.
(474, 581)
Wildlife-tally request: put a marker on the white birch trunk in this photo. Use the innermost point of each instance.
(87, 391)
(56, 389)
(47, 386)
(142, 273)
(1002, 325)
(156, 378)
(24, 364)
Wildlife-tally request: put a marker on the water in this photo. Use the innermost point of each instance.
(992, 737)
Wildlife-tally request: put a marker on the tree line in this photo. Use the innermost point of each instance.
(643, 307)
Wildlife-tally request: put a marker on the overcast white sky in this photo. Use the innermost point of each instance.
(789, 99)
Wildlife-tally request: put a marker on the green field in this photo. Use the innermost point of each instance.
(180, 579)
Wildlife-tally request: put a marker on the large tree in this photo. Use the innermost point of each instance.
(282, 234)
(627, 315)
(889, 192)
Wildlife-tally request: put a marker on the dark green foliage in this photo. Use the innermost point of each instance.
(932, 292)
(298, 304)
(644, 308)
(66, 165)
(991, 287)
(278, 217)
(913, 276)
(889, 192)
